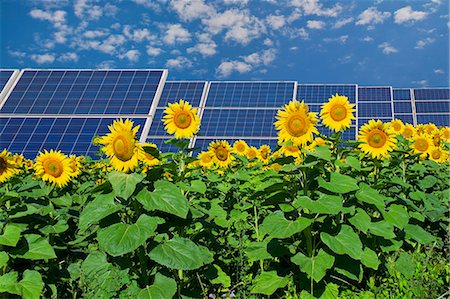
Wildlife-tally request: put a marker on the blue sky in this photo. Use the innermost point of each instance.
(398, 43)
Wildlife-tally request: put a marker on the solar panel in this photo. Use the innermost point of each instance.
(190, 91)
(5, 75)
(85, 92)
(433, 107)
(31, 135)
(250, 94)
(374, 110)
(406, 118)
(374, 94)
(320, 94)
(402, 107)
(402, 94)
(431, 94)
(437, 119)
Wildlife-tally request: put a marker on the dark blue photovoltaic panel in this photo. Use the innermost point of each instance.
(189, 91)
(402, 107)
(321, 93)
(403, 94)
(432, 94)
(83, 92)
(433, 107)
(29, 136)
(233, 122)
(4, 77)
(348, 134)
(202, 144)
(437, 119)
(250, 94)
(376, 94)
(375, 110)
(406, 118)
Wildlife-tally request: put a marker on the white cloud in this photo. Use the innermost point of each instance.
(226, 68)
(106, 65)
(296, 32)
(67, 57)
(206, 46)
(179, 63)
(175, 33)
(268, 42)
(342, 22)
(131, 55)
(422, 83)
(312, 24)
(313, 7)
(236, 2)
(137, 35)
(276, 22)
(18, 54)
(341, 39)
(58, 16)
(407, 14)
(95, 33)
(367, 39)
(387, 48)
(250, 62)
(345, 59)
(263, 57)
(295, 48)
(43, 58)
(154, 51)
(439, 71)
(424, 42)
(372, 16)
(84, 9)
(189, 10)
(148, 4)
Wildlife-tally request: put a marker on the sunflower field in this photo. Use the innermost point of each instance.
(316, 217)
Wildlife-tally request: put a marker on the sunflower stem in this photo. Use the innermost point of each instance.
(261, 265)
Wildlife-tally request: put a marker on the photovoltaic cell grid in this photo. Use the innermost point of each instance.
(403, 107)
(4, 77)
(374, 94)
(374, 103)
(83, 92)
(319, 94)
(432, 105)
(31, 135)
(427, 94)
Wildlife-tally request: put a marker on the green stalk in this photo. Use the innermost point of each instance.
(261, 265)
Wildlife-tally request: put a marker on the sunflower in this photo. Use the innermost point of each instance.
(8, 166)
(397, 126)
(220, 151)
(377, 139)
(295, 123)
(264, 153)
(121, 145)
(337, 114)
(181, 120)
(291, 151)
(205, 160)
(408, 131)
(422, 145)
(437, 154)
(75, 164)
(436, 136)
(252, 152)
(445, 133)
(147, 158)
(420, 129)
(430, 128)
(240, 147)
(54, 167)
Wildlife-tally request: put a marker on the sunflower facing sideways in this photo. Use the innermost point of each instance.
(264, 153)
(147, 158)
(296, 124)
(121, 145)
(337, 114)
(220, 151)
(8, 167)
(205, 160)
(437, 154)
(377, 139)
(54, 167)
(422, 145)
(181, 120)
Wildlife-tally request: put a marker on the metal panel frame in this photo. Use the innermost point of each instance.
(9, 86)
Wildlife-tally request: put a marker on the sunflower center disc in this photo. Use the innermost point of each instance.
(377, 139)
(53, 168)
(206, 159)
(338, 113)
(123, 150)
(296, 125)
(264, 154)
(421, 145)
(3, 165)
(397, 127)
(240, 148)
(436, 155)
(251, 154)
(222, 154)
(407, 133)
(182, 120)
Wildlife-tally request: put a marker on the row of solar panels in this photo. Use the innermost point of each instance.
(64, 109)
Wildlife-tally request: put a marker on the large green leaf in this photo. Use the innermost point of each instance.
(121, 238)
(339, 183)
(124, 184)
(345, 242)
(427, 182)
(370, 259)
(11, 233)
(371, 196)
(31, 285)
(8, 283)
(276, 226)
(257, 251)
(417, 233)
(181, 253)
(361, 220)
(38, 249)
(331, 291)
(326, 204)
(382, 229)
(103, 205)
(166, 197)
(406, 265)
(315, 266)
(4, 258)
(268, 282)
(321, 152)
(162, 287)
(397, 216)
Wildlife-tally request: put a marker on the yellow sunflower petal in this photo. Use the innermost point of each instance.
(9, 166)
(221, 153)
(377, 139)
(181, 120)
(337, 114)
(54, 167)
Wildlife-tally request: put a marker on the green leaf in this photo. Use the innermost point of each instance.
(11, 233)
(257, 251)
(216, 275)
(4, 258)
(31, 285)
(406, 265)
(38, 249)
(361, 220)
(339, 183)
(166, 197)
(180, 253)
(276, 226)
(331, 291)
(121, 238)
(382, 229)
(102, 206)
(345, 242)
(162, 287)
(397, 216)
(348, 267)
(316, 266)
(198, 186)
(8, 283)
(326, 204)
(60, 227)
(370, 259)
(371, 196)
(353, 163)
(268, 282)
(427, 182)
(417, 233)
(321, 152)
(124, 184)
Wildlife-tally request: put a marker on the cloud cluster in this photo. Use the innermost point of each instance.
(247, 63)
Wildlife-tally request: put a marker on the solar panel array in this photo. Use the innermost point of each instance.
(64, 109)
